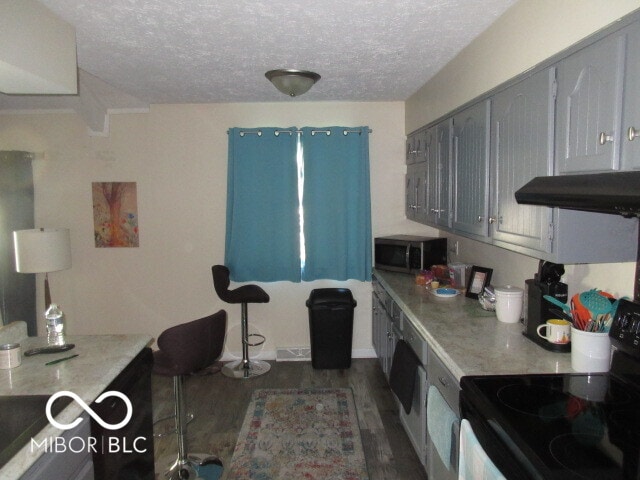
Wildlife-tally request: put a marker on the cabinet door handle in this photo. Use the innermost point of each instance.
(492, 220)
(605, 138)
(442, 381)
(480, 218)
(632, 133)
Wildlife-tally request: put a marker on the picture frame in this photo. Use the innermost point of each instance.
(478, 279)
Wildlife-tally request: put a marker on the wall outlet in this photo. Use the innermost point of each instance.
(454, 248)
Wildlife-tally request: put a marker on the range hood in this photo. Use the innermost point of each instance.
(615, 192)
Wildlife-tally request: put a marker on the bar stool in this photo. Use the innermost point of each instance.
(245, 294)
(183, 350)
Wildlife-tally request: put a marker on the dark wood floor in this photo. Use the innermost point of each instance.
(220, 403)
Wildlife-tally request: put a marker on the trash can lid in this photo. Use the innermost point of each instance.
(322, 296)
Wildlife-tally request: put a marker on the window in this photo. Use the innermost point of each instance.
(298, 204)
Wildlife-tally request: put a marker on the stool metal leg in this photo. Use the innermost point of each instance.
(186, 466)
(246, 368)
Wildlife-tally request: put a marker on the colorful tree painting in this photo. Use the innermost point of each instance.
(115, 214)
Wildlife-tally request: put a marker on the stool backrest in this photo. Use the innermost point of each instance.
(221, 280)
(195, 345)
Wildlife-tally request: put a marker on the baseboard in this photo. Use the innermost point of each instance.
(273, 354)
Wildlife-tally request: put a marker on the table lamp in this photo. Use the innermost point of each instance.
(42, 250)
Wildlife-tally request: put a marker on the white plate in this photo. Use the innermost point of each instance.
(445, 292)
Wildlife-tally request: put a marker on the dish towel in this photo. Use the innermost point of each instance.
(402, 377)
(440, 422)
(474, 462)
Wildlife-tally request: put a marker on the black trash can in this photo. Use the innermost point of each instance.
(331, 327)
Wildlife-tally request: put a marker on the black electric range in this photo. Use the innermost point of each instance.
(564, 426)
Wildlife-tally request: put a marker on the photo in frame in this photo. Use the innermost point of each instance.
(478, 279)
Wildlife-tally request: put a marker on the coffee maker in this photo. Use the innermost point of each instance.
(538, 310)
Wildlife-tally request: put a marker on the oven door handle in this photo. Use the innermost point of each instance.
(407, 256)
(455, 445)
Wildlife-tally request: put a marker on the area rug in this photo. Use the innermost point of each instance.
(309, 434)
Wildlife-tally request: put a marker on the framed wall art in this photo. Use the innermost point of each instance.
(115, 214)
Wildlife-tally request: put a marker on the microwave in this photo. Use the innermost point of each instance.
(409, 253)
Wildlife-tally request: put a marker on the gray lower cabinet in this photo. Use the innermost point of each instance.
(470, 176)
(431, 373)
(71, 458)
(442, 444)
(386, 331)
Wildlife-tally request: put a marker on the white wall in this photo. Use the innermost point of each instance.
(527, 34)
(177, 154)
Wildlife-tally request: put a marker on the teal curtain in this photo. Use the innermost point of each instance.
(336, 203)
(280, 179)
(262, 241)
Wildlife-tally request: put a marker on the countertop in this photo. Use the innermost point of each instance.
(468, 339)
(101, 359)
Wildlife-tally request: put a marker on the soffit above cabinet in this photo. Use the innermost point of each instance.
(37, 50)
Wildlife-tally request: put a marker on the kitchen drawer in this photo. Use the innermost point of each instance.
(418, 344)
(440, 376)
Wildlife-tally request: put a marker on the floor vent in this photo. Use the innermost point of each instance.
(293, 354)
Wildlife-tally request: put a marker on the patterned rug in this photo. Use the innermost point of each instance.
(309, 434)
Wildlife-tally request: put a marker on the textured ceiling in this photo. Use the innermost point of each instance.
(201, 51)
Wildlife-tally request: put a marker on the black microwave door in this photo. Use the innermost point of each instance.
(391, 256)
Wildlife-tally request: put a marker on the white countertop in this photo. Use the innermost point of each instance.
(468, 339)
(101, 359)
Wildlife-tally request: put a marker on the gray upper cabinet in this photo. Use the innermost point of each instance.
(589, 106)
(432, 187)
(416, 150)
(580, 113)
(415, 188)
(522, 148)
(443, 214)
(410, 155)
(438, 142)
(630, 155)
(470, 196)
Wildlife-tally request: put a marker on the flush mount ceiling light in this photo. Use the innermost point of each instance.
(292, 82)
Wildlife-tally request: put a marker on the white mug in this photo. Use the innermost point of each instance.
(557, 331)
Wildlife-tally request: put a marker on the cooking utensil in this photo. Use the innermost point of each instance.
(580, 314)
(557, 303)
(595, 302)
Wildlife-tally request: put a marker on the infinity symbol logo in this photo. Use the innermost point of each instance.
(89, 410)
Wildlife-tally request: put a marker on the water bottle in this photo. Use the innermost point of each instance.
(55, 325)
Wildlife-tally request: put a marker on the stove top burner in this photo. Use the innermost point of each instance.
(539, 401)
(626, 424)
(584, 455)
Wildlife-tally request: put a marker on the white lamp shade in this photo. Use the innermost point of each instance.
(42, 250)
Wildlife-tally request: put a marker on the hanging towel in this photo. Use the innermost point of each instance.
(402, 378)
(440, 422)
(474, 462)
